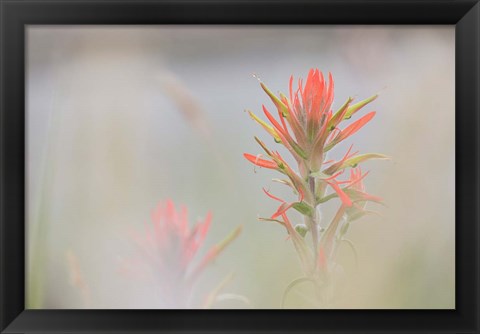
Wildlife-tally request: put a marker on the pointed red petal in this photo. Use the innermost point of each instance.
(182, 220)
(273, 197)
(343, 197)
(354, 127)
(318, 88)
(334, 167)
(282, 209)
(274, 122)
(260, 162)
(369, 197)
(170, 213)
(357, 178)
(205, 226)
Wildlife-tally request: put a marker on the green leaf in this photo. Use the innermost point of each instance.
(303, 208)
(267, 127)
(336, 117)
(278, 103)
(357, 214)
(327, 198)
(320, 175)
(298, 149)
(301, 229)
(355, 195)
(357, 106)
(354, 161)
(262, 219)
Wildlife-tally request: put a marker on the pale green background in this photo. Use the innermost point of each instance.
(120, 118)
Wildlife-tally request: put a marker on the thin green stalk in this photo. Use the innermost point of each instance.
(313, 222)
(294, 283)
(37, 229)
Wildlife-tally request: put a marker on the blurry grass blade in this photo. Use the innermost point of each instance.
(294, 283)
(76, 278)
(215, 251)
(186, 103)
(228, 239)
(235, 297)
(212, 296)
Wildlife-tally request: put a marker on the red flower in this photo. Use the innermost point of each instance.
(168, 248)
(308, 127)
(170, 241)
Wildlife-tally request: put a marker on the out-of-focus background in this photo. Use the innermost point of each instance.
(121, 118)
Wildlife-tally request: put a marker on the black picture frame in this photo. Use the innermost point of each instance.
(17, 14)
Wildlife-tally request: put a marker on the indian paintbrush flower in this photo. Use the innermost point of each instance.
(308, 128)
(169, 248)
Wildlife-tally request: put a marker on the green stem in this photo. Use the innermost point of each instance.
(37, 233)
(313, 222)
(293, 284)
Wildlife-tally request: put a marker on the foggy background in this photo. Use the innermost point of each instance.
(121, 118)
